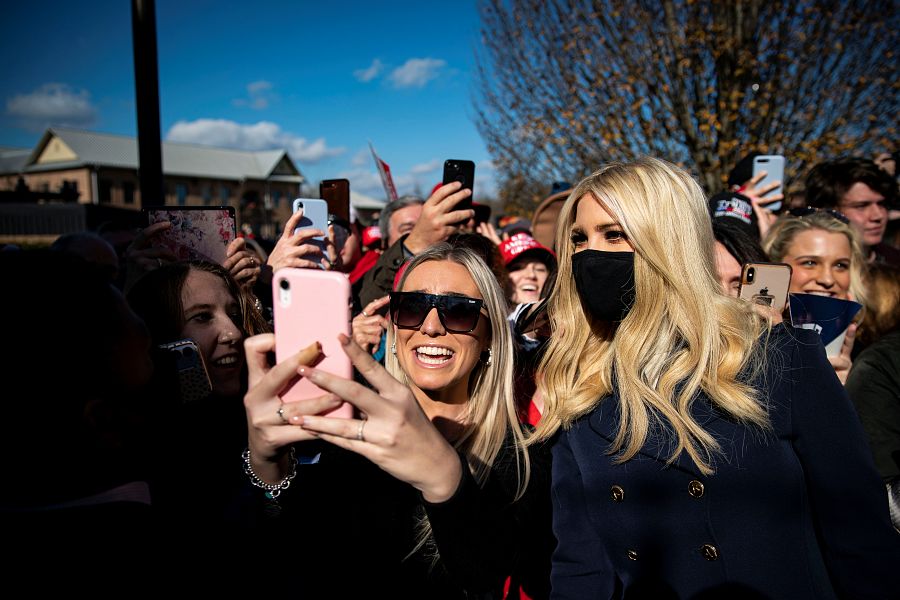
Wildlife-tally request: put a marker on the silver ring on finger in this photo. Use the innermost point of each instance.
(365, 314)
(359, 431)
(281, 413)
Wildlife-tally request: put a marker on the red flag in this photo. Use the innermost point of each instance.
(385, 171)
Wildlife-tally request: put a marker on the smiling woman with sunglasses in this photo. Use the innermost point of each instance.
(440, 419)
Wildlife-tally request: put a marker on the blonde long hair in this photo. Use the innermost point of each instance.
(782, 233)
(491, 410)
(681, 336)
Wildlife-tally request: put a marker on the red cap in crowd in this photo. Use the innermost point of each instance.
(521, 243)
(371, 235)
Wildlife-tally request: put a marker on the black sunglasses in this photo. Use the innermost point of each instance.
(458, 314)
(811, 210)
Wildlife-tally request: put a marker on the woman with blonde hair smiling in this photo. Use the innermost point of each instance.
(700, 450)
(826, 259)
(440, 420)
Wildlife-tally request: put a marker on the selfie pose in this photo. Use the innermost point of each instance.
(446, 515)
(700, 452)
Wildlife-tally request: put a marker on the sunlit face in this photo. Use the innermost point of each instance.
(527, 278)
(596, 229)
(433, 358)
(821, 263)
(867, 211)
(211, 318)
(402, 222)
(729, 271)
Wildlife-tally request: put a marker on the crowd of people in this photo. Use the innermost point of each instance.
(585, 409)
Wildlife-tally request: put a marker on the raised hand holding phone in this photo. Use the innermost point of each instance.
(440, 217)
(294, 249)
(766, 285)
(269, 430)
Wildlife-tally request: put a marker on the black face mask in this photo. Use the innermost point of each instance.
(605, 282)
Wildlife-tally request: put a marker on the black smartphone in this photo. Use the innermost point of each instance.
(336, 192)
(464, 172)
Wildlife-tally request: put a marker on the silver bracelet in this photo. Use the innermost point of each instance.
(273, 490)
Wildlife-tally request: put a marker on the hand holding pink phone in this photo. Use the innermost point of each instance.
(312, 306)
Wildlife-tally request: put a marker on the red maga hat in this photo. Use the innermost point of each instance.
(370, 235)
(521, 243)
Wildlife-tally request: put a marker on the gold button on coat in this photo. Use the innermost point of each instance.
(695, 489)
(632, 554)
(709, 552)
(617, 493)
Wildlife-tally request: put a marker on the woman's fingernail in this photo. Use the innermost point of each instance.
(297, 419)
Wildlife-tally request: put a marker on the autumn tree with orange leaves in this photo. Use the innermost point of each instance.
(565, 86)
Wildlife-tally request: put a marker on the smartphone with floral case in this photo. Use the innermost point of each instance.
(197, 233)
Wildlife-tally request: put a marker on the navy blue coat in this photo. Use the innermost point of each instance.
(798, 512)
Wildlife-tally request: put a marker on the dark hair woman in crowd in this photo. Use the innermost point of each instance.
(700, 452)
(199, 301)
(447, 515)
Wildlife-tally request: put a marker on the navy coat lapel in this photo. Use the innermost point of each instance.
(604, 421)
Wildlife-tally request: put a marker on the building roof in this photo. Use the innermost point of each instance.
(13, 160)
(362, 201)
(88, 148)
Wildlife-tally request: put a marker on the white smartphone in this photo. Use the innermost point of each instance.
(773, 165)
(315, 215)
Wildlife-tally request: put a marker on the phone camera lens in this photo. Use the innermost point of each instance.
(285, 285)
(750, 275)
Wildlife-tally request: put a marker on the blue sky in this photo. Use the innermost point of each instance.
(318, 78)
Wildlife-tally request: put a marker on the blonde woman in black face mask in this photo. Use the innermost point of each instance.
(701, 451)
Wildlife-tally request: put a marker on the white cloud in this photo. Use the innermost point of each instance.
(416, 72)
(423, 168)
(263, 135)
(364, 181)
(361, 158)
(369, 73)
(259, 95)
(53, 104)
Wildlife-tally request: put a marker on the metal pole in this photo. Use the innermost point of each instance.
(146, 84)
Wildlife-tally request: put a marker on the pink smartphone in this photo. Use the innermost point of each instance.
(312, 306)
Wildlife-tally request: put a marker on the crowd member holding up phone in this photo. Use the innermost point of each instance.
(699, 453)
(202, 302)
(438, 221)
(761, 188)
(458, 493)
(826, 259)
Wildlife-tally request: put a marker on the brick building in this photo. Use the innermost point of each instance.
(101, 169)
